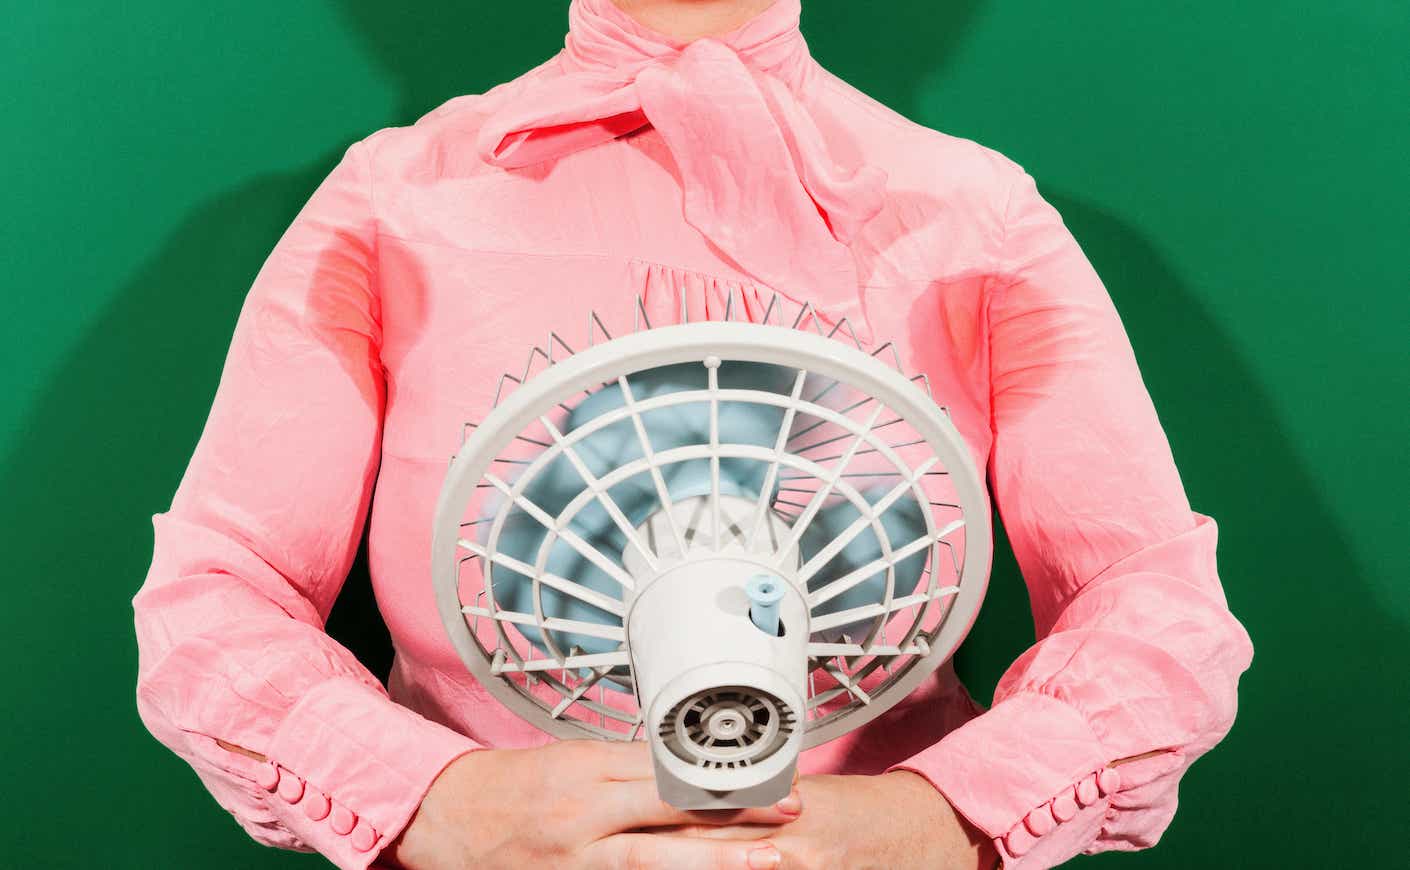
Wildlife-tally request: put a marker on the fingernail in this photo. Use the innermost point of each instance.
(791, 805)
(764, 858)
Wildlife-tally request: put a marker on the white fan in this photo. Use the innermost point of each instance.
(734, 539)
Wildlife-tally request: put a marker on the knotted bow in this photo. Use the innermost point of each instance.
(758, 181)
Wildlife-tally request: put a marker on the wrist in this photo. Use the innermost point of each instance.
(417, 842)
(941, 816)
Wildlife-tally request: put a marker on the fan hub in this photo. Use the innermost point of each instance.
(725, 724)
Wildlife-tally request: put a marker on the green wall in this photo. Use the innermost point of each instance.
(1235, 171)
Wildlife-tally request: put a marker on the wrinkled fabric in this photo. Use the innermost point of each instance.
(757, 179)
(423, 267)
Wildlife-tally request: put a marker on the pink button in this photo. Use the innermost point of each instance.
(1038, 822)
(1087, 793)
(1108, 781)
(316, 804)
(267, 775)
(1019, 841)
(341, 819)
(1064, 806)
(291, 788)
(364, 837)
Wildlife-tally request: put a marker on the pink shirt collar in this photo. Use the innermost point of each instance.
(757, 178)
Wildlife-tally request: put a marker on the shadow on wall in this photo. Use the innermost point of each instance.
(436, 51)
(888, 49)
(106, 442)
(102, 451)
(1290, 576)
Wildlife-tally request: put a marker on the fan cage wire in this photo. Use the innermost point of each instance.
(880, 660)
(633, 469)
(513, 652)
(893, 610)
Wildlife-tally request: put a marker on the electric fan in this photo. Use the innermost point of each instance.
(733, 539)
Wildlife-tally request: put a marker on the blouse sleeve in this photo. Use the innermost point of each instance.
(255, 546)
(1135, 671)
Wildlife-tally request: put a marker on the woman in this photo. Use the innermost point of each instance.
(682, 150)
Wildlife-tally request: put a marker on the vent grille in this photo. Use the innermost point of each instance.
(728, 727)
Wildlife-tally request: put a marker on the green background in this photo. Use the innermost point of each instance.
(1236, 171)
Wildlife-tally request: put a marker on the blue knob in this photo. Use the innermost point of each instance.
(765, 592)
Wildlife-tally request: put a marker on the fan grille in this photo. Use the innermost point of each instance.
(861, 446)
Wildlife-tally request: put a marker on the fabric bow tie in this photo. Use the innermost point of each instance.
(758, 181)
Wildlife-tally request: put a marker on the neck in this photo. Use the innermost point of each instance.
(692, 19)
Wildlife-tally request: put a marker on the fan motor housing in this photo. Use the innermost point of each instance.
(723, 699)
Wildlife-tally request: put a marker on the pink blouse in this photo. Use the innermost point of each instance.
(435, 255)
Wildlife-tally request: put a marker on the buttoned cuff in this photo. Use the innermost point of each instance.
(348, 768)
(1030, 773)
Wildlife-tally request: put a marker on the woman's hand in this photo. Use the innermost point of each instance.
(574, 804)
(894, 820)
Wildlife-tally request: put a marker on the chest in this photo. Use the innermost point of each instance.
(491, 274)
